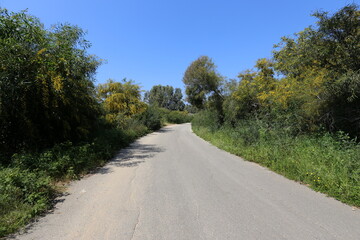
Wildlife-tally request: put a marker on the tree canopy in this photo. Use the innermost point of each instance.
(322, 65)
(121, 100)
(204, 84)
(165, 97)
(46, 83)
(312, 81)
(202, 81)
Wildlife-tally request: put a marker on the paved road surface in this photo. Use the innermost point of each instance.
(173, 185)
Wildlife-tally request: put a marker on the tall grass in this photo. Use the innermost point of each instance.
(327, 163)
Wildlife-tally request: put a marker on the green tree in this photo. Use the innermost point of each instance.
(177, 102)
(248, 98)
(204, 85)
(190, 109)
(46, 85)
(121, 100)
(165, 97)
(332, 47)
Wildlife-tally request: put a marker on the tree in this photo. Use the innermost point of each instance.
(46, 83)
(177, 102)
(327, 56)
(332, 44)
(165, 97)
(190, 109)
(204, 85)
(121, 100)
(249, 96)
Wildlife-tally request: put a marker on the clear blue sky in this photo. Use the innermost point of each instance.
(153, 42)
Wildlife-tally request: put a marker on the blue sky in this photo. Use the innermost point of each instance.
(153, 42)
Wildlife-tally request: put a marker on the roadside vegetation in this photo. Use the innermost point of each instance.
(55, 124)
(297, 113)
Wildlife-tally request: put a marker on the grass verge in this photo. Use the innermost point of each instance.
(327, 163)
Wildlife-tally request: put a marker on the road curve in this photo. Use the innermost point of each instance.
(173, 185)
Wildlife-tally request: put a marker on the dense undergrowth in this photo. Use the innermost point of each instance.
(28, 185)
(329, 163)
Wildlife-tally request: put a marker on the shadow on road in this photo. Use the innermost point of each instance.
(162, 130)
(131, 156)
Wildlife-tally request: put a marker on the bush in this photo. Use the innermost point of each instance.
(178, 117)
(23, 194)
(151, 118)
(206, 118)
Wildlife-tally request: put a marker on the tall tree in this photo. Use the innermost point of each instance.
(165, 97)
(204, 84)
(249, 96)
(46, 83)
(121, 100)
(332, 47)
(177, 102)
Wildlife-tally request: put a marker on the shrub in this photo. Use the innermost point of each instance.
(206, 118)
(178, 117)
(151, 118)
(23, 194)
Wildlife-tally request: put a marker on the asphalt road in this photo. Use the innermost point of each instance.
(173, 185)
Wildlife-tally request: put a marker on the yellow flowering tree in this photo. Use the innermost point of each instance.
(121, 100)
(46, 86)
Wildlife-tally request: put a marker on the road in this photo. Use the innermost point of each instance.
(173, 185)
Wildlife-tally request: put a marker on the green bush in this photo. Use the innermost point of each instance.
(23, 194)
(178, 117)
(206, 118)
(151, 118)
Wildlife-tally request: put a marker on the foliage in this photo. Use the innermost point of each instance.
(342, 110)
(191, 109)
(152, 118)
(206, 118)
(204, 84)
(327, 83)
(121, 101)
(46, 88)
(23, 194)
(178, 117)
(165, 97)
(314, 90)
(251, 93)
